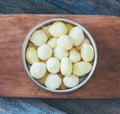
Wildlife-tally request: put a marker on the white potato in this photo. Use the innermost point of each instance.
(86, 41)
(78, 47)
(38, 70)
(53, 81)
(53, 65)
(38, 38)
(52, 43)
(66, 66)
(62, 86)
(42, 80)
(87, 52)
(31, 55)
(44, 52)
(46, 30)
(57, 29)
(74, 55)
(60, 53)
(71, 81)
(81, 68)
(69, 26)
(65, 42)
(32, 45)
(76, 35)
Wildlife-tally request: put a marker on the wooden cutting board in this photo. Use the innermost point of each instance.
(105, 83)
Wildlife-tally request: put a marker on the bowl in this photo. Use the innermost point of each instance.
(49, 21)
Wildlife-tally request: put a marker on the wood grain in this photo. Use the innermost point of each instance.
(101, 7)
(30, 7)
(94, 7)
(105, 82)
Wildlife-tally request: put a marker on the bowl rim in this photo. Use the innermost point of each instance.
(48, 21)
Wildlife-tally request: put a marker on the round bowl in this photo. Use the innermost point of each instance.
(27, 67)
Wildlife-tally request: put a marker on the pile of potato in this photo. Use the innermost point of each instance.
(58, 55)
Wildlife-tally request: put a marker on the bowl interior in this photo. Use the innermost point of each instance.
(84, 79)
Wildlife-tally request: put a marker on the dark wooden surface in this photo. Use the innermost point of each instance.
(105, 82)
(85, 106)
(96, 7)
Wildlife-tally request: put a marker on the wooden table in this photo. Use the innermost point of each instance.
(100, 7)
(105, 82)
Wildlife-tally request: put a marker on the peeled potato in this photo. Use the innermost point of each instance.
(65, 42)
(87, 52)
(58, 29)
(32, 45)
(59, 53)
(52, 43)
(46, 30)
(81, 68)
(31, 55)
(38, 38)
(69, 26)
(76, 35)
(42, 80)
(38, 70)
(66, 66)
(74, 55)
(53, 81)
(71, 81)
(61, 76)
(62, 86)
(86, 41)
(44, 61)
(53, 65)
(44, 52)
(78, 48)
